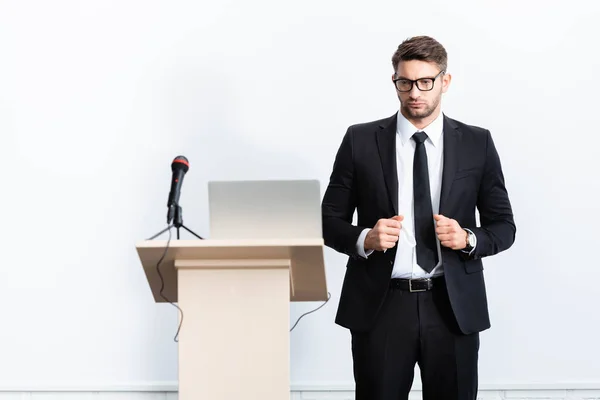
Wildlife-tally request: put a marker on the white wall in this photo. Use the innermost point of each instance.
(97, 97)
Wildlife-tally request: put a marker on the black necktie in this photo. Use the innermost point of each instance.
(427, 256)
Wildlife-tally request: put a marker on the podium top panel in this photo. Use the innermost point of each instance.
(305, 255)
(262, 209)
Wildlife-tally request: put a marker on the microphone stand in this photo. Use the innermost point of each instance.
(177, 223)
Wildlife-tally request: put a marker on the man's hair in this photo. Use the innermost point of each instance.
(422, 48)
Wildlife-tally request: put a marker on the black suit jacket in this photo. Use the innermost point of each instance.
(364, 178)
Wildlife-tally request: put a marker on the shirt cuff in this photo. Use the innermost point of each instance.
(360, 244)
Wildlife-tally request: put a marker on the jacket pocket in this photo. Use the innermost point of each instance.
(466, 173)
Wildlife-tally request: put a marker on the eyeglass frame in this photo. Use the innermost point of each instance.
(412, 83)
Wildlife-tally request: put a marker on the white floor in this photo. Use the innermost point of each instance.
(333, 395)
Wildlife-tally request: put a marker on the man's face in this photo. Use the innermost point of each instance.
(420, 104)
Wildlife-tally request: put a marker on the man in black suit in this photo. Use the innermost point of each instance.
(414, 288)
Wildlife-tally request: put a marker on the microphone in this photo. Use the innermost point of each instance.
(179, 166)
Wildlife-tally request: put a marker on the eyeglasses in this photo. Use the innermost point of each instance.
(423, 84)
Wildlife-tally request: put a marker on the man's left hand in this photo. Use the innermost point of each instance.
(450, 233)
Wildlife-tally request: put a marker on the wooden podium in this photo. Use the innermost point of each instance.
(234, 295)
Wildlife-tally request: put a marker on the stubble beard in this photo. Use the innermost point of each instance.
(421, 114)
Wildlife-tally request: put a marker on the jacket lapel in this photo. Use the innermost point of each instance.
(451, 146)
(386, 143)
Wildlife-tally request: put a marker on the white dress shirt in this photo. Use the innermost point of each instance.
(405, 265)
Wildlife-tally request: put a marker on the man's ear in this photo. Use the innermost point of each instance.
(446, 79)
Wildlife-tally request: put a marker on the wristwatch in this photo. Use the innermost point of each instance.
(470, 241)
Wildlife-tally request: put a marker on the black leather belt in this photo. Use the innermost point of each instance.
(416, 285)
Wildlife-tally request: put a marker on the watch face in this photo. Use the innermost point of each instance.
(471, 240)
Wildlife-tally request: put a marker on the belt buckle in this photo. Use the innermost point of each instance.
(410, 288)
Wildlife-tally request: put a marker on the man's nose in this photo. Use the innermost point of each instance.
(414, 92)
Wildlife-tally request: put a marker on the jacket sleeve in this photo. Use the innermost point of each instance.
(340, 201)
(497, 231)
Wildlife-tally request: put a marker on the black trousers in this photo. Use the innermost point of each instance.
(415, 328)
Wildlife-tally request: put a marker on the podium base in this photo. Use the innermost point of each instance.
(237, 345)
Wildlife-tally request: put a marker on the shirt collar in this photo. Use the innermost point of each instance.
(405, 129)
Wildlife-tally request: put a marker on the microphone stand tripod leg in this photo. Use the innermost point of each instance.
(161, 232)
(185, 227)
(178, 222)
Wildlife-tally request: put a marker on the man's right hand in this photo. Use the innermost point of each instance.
(384, 234)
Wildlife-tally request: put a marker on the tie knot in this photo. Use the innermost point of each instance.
(420, 137)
